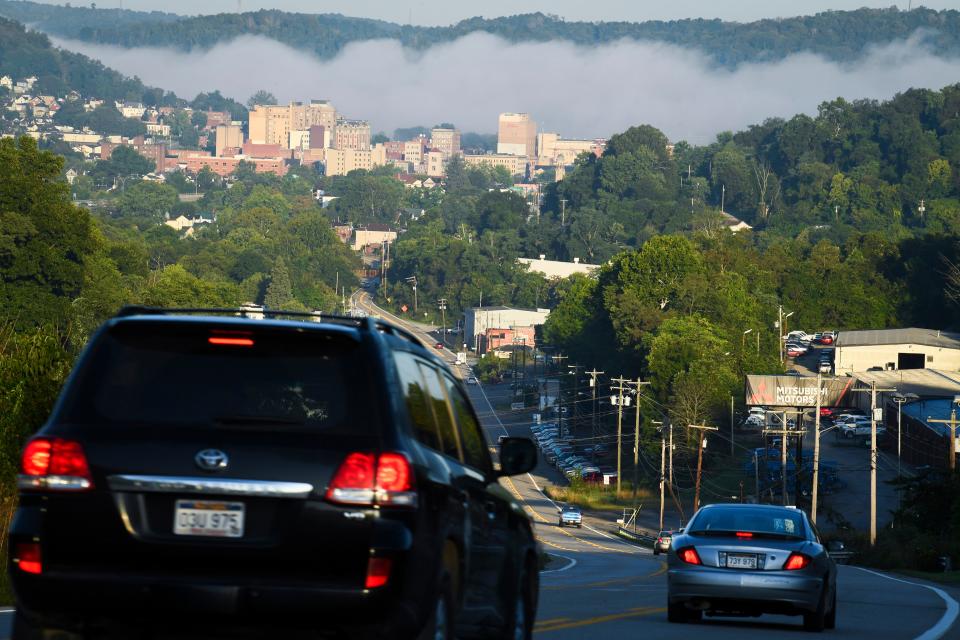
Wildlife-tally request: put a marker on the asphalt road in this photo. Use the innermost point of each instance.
(604, 587)
(608, 588)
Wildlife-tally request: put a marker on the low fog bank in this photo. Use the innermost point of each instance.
(576, 91)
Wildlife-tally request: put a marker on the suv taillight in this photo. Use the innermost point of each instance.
(54, 464)
(368, 479)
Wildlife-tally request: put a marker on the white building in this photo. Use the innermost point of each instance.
(557, 268)
(893, 349)
(478, 319)
(133, 110)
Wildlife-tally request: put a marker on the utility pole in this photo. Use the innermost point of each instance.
(756, 474)
(780, 333)
(784, 432)
(873, 458)
(952, 424)
(636, 449)
(732, 427)
(593, 404)
(816, 453)
(442, 302)
(663, 460)
(620, 388)
(563, 212)
(576, 399)
(561, 358)
(701, 440)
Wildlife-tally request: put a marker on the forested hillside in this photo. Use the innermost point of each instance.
(841, 36)
(25, 53)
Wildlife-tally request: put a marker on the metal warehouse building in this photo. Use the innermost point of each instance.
(893, 349)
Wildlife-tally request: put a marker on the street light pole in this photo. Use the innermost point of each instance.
(743, 340)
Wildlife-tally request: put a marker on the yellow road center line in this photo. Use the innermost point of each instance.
(630, 613)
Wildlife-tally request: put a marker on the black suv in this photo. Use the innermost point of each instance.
(209, 474)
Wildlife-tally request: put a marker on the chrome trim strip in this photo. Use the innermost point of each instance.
(222, 486)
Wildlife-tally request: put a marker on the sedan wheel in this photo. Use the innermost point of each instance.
(830, 621)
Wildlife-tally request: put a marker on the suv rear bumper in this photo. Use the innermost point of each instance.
(71, 600)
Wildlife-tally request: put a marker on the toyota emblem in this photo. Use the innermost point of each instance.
(211, 460)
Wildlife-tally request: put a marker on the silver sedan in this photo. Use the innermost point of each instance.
(747, 560)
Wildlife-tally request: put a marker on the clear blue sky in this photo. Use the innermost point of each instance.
(440, 12)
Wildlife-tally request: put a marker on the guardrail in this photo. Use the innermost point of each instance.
(638, 536)
(841, 557)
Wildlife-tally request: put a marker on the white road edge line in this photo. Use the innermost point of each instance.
(570, 564)
(938, 630)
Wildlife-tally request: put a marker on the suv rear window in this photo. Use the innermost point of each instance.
(186, 374)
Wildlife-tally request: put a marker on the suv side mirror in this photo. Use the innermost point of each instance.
(517, 455)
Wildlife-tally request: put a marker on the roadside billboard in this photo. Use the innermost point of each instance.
(795, 391)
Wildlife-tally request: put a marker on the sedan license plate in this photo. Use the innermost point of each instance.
(208, 518)
(741, 561)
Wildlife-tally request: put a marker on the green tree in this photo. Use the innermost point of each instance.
(44, 239)
(261, 97)
(280, 290)
(124, 162)
(147, 202)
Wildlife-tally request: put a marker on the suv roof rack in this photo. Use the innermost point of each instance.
(366, 323)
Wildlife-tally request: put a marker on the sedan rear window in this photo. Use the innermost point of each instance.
(187, 374)
(760, 521)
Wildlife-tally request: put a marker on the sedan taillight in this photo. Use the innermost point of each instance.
(689, 555)
(797, 561)
(54, 464)
(368, 479)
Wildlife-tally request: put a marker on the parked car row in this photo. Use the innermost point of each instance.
(798, 343)
(570, 458)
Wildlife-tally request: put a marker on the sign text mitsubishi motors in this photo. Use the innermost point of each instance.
(794, 391)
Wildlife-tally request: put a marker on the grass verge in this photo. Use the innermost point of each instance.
(599, 497)
(949, 578)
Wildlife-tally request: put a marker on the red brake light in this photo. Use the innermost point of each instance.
(744, 534)
(36, 457)
(689, 555)
(231, 342)
(68, 459)
(54, 463)
(393, 472)
(365, 478)
(378, 572)
(796, 561)
(26, 555)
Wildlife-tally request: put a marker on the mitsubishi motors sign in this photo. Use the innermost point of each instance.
(794, 391)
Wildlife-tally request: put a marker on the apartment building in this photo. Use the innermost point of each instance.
(272, 124)
(155, 152)
(552, 150)
(516, 165)
(229, 136)
(445, 140)
(435, 163)
(352, 134)
(225, 166)
(340, 162)
(517, 135)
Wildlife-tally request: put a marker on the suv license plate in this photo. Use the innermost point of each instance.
(741, 561)
(208, 518)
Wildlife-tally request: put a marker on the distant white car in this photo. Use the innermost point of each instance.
(471, 380)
